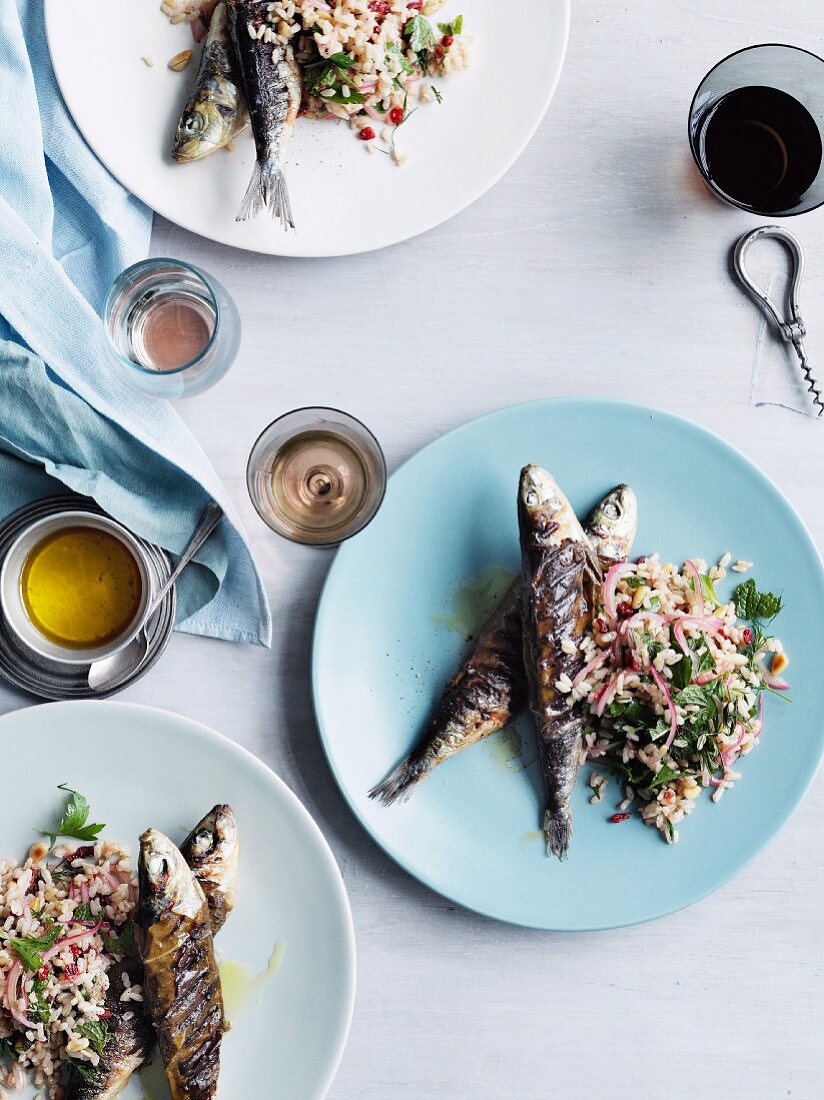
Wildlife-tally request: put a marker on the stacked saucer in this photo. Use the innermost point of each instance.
(49, 679)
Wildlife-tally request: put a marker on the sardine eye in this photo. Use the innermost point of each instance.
(612, 510)
(193, 124)
(202, 842)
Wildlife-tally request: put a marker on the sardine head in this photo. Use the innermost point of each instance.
(216, 834)
(200, 131)
(165, 882)
(612, 523)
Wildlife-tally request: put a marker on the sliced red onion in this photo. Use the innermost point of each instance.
(662, 684)
(710, 625)
(373, 113)
(12, 1000)
(596, 662)
(607, 695)
(198, 29)
(614, 574)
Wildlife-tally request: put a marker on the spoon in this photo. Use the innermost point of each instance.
(110, 671)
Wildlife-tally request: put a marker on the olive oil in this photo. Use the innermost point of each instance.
(81, 587)
(239, 985)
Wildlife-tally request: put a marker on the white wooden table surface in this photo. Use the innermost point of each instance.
(598, 266)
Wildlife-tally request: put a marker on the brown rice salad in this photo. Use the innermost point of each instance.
(674, 684)
(64, 912)
(370, 63)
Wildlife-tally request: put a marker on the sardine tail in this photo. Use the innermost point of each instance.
(267, 188)
(558, 832)
(400, 783)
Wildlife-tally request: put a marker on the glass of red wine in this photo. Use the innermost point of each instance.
(755, 129)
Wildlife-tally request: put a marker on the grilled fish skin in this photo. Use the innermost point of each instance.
(273, 88)
(131, 1038)
(556, 560)
(488, 688)
(215, 111)
(181, 985)
(494, 670)
(211, 850)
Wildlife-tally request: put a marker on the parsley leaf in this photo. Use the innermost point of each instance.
(74, 822)
(665, 774)
(420, 33)
(453, 28)
(7, 1050)
(97, 1032)
(28, 948)
(83, 912)
(751, 604)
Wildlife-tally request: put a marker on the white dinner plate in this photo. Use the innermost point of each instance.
(343, 200)
(139, 767)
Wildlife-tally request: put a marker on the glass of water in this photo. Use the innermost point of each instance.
(316, 476)
(172, 330)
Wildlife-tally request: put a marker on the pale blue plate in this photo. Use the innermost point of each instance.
(380, 661)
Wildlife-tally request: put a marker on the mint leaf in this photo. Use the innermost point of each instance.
(122, 943)
(420, 33)
(453, 28)
(681, 672)
(97, 1032)
(752, 604)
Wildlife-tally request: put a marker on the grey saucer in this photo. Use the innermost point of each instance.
(49, 679)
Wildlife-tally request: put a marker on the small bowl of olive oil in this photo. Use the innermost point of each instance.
(75, 587)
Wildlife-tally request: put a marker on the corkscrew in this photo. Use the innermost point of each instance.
(792, 328)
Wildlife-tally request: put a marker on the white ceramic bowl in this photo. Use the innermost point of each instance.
(11, 597)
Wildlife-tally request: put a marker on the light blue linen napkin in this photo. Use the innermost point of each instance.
(67, 228)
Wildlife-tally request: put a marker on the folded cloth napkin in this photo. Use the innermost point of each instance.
(67, 229)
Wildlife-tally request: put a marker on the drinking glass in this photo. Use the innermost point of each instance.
(772, 100)
(172, 330)
(316, 476)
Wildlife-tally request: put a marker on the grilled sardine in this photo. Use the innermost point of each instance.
(555, 555)
(181, 985)
(273, 89)
(211, 850)
(215, 111)
(490, 687)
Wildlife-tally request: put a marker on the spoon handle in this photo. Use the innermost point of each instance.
(210, 518)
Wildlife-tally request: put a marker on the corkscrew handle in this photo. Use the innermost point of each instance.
(791, 328)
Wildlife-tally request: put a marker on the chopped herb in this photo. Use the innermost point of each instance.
(39, 1007)
(74, 822)
(664, 775)
(7, 1050)
(97, 1032)
(83, 1069)
(403, 60)
(751, 604)
(83, 912)
(436, 93)
(633, 581)
(342, 60)
(28, 948)
(708, 588)
(681, 672)
(452, 29)
(122, 943)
